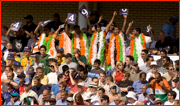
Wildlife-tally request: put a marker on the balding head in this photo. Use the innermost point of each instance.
(46, 94)
(9, 46)
(76, 51)
(10, 76)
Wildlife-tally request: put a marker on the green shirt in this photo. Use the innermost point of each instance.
(82, 58)
(45, 63)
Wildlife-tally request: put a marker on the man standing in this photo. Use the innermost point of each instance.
(55, 24)
(29, 23)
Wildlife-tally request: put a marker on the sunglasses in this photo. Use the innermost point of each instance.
(171, 69)
(9, 76)
(51, 66)
(124, 76)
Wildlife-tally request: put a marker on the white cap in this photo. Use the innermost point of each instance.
(80, 84)
(87, 98)
(131, 95)
(153, 63)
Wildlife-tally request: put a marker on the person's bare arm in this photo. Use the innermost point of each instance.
(127, 31)
(114, 75)
(124, 23)
(4, 41)
(7, 33)
(89, 25)
(163, 87)
(109, 24)
(66, 28)
(56, 33)
(71, 78)
(100, 19)
(27, 34)
(37, 28)
(16, 86)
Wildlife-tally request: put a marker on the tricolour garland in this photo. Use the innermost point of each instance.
(93, 53)
(80, 41)
(65, 43)
(49, 42)
(134, 48)
(120, 48)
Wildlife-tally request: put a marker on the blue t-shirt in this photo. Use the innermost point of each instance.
(7, 95)
(55, 88)
(138, 86)
(17, 80)
(59, 102)
(149, 102)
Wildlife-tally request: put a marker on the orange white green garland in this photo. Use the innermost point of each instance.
(94, 52)
(136, 46)
(117, 40)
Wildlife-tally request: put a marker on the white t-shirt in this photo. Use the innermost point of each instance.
(53, 78)
(168, 103)
(150, 74)
(70, 65)
(177, 93)
(133, 103)
(151, 45)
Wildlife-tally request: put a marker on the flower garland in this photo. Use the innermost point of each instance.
(93, 54)
(133, 50)
(52, 51)
(65, 43)
(42, 40)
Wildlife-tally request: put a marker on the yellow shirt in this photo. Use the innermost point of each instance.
(61, 61)
(23, 62)
(44, 80)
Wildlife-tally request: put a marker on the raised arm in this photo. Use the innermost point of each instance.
(7, 33)
(37, 28)
(89, 25)
(100, 19)
(66, 28)
(56, 33)
(127, 31)
(108, 26)
(124, 23)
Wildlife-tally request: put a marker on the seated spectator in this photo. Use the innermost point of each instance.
(44, 78)
(81, 90)
(78, 100)
(176, 89)
(162, 54)
(118, 74)
(68, 58)
(28, 91)
(8, 47)
(143, 96)
(113, 93)
(101, 92)
(131, 97)
(158, 101)
(142, 60)
(62, 99)
(79, 59)
(125, 83)
(54, 88)
(3, 67)
(78, 79)
(129, 60)
(32, 39)
(62, 87)
(102, 79)
(14, 51)
(52, 101)
(152, 44)
(104, 100)
(169, 74)
(14, 99)
(30, 73)
(161, 87)
(60, 56)
(19, 71)
(72, 75)
(116, 100)
(87, 101)
(176, 47)
(139, 83)
(4, 39)
(146, 67)
(123, 101)
(7, 70)
(171, 82)
(10, 60)
(134, 74)
(150, 95)
(171, 98)
(45, 97)
(165, 62)
(177, 65)
(38, 87)
(97, 68)
(16, 66)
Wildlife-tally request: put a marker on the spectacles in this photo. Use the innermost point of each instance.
(171, 69)
(60, 86)
(9, 76)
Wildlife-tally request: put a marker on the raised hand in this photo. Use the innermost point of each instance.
(149, 27)
(115, 13)
(130, 24)
(11, 24)
(40, 23)
(125, 16)
(101, 17)
(87, 16)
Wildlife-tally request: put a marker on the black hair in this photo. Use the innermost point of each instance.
(10, 68)
(60, 76)
(65, 68)
(48, 26)
(177, 62)
(167, 58)
(110, 78)
(147, 59)
(131, 58)
(94, 78)
(97, 61)
(173, 93)
(141, 74)
(115, 26)
(138, 30)
(42, 47)
(145, 51)
(82, 69)
(150, 79)
(98, 25)
(5, 27)
(76, 26)
(102, 89)
(57, 15)
(39, 68)
(164, 51)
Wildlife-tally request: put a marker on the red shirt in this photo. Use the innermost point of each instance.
(118, 76)
(21, 89)
(75, 89)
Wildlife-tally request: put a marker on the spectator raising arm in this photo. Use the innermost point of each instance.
(37, 28)
(108, 26)
(16, 86)
(56, 33)
(124, 24)
(89, 25)
(66, 28)
(127, 31)
(7, 33)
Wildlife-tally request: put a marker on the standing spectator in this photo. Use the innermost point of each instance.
(29, 24)
(79, 59)
(118, 74)
(28, 91)
(169, 74)
(4, 39)
(68, 58)
(150, 95)
(27, 59)
(125, 83)
(8, 47)
(169, 27)
(134, 74)
(161, 87)
(45, 97)
(14, 99)
(44, 78)
(139, 83)
(171, 98)
(83, 74)
(129, 60)
(38, 87)
(42, 59)
(97, 68)
(131, 96)
(146, 67)
(142, 60)
(165, 62)
(102, 80)
(152, 44)
(60, 56)
(95, 19)
(56, 23)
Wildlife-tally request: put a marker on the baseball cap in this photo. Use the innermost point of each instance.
(176, 80)
(80, 84)
(94, 13)
(21, 75)
(68, 55)
(27, 48)
(30, 70)
(130, 88)
(3, 63)
(27, 83)
(72, 69)
(92, 84)
(112, 86)
(10, 56)
(34, 55)
(153, 64)
(134, 63)
(123, 99)
(61, 49)
(175, 17)
(28, 17)
(12, 50)
(15, 94)
(149, 91)
(52, 58)
(70, 99)
(16, 63)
